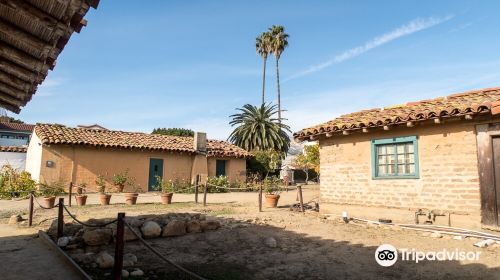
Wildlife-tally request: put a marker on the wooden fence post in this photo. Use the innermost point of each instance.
(196, 182)
(260, 197)
(60, 219)
(70, 193)
(118, 266)
(205, 190)
(30, 209)
(299, 187)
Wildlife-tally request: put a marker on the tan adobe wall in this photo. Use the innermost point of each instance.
(34, 157)
(90, 161)
(448, 172)
(235, 168)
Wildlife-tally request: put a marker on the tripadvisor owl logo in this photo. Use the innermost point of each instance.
(386, 255)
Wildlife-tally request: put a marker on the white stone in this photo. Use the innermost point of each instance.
(151, 229)
(63, 241)
(14, 219)
(458, 237)
(125, 273)
(129, 260)
(105, 260)
(270, 242)
(137, 273)
(485, 243)
(436, 235)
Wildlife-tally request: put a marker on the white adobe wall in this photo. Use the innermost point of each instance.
(16, 160)
(34, 157)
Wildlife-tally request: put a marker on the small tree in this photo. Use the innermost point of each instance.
(309, 159)
(173, 131)
(265, 162)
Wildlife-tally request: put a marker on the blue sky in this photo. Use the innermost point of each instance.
(145, 64)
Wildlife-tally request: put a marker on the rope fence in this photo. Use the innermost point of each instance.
(86, 224)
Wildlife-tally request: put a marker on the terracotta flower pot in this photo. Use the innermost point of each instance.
(81, 200)
(272, 200)
(49, 202)
(166, 198)
(119, 188)
(131, 198)
(104, 199)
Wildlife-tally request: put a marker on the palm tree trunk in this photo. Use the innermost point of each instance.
(264, 82)
(279, 97)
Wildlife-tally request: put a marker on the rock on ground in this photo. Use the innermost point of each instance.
(63, 241)
(271, 242)
(137, 273)
(129, 260)
(97, 237)
(210, 225)
(125, 273)
(14, 219)
(174, 228)
(436, 235)
(105, 260)
(151, 229)
(194, 226)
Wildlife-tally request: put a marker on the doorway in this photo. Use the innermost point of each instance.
(496, 168)
(155, 169)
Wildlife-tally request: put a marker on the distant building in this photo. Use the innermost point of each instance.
(14, 139)
(15, 134)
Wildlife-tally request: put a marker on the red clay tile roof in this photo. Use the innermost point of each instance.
(467, 103)
(60, 134)
(16, 126)
(13, 149)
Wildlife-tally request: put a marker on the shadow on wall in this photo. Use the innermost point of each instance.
(239, 251)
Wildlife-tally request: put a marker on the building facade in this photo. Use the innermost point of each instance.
(62, 154)
(433, 157)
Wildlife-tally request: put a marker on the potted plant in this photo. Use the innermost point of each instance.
(49, 192)
(131, 197)
(81, 197)
(166, 189)
(104, 197)
(120, 180)
(272, 189)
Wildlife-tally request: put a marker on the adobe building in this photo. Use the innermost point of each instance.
(440, 156)
(57, 153)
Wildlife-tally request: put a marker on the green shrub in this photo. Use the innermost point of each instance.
(163, 186)
(15, 184)
(51, 189)
(272, 185)
(220, 181)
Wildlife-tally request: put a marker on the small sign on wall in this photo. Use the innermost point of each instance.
(49, 164)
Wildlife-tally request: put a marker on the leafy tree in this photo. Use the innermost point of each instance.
(309, 159)
(258, 130)
(173, 131)
(278, 45)
(265, 162)
(263, 48)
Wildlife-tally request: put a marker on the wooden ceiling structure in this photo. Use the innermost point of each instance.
(32, 35)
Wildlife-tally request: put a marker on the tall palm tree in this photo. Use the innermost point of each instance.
(263, 48)
(279, 43)
(258, 129)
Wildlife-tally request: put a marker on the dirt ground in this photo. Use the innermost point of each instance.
(308, 245)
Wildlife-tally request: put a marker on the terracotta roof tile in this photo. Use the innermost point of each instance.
(466, 103)
(16, 126)
(13, 149)
(60, 134)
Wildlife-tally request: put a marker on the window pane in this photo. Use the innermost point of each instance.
(411, 168)
(391, 170)
(401, 159)
(391, 159)
(410, 158)
(401, 148)
(401, 169)
(381, 150)
(382, 169)
(382, 159)
(409, 147)
(390, 149)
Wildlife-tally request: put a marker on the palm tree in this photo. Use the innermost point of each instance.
(278, 45)
(258, 129)
(263, 48)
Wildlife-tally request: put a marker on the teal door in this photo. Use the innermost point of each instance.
(220, 168)
(155, 169)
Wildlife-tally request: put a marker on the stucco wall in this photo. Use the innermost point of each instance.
(16, 160)
(448, 171)
(235, 168)
(83, 164)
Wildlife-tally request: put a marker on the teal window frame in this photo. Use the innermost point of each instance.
(395, 140)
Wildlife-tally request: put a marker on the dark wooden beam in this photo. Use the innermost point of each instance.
(20, 72)
(16, 82)
(22, 59)
(10, 107)
(15, 96)
(27, 42)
